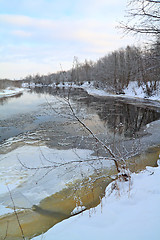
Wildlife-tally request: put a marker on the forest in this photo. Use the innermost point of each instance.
(113, 72)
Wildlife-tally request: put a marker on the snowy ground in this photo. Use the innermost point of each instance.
(8, 92)
(129, 211)
(132, 91)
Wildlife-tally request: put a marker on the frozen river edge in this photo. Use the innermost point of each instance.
(149, 138)
(130, 210)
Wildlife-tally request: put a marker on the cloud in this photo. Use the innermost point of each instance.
(56, 29)
(21, 33)
(100, 8)
(25, 21)
(22, 69)
(15, 20)
(42, 33)
(58, 9)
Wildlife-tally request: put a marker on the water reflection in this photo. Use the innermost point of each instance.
(120, 117)
(20, 104)
(125, 118)
(5, 100)
(110, 116)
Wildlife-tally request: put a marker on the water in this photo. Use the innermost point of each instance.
(103, 114)
(41, 118)
(21, 104)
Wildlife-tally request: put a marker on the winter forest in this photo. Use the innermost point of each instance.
(117, 69)
(113, 72)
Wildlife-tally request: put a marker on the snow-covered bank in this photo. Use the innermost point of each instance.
(132, 91)
(9, 92)
(130, 210)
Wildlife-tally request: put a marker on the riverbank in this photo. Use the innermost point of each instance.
(131, 91)
(40, 132)
(11, 91)
(129, 210)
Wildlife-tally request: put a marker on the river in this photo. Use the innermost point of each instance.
(51, 164)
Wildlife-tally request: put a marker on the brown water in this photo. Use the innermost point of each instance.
(54, 209)
(108, 117)
(59, 206)
(148, 158)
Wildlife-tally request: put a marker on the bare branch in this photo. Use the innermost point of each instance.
(143, 17)
(6, 231)
(95, 137)
(16, 214)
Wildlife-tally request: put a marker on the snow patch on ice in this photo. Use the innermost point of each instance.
(45, 172)
(78, 209)
(8, 92)
(4, 210)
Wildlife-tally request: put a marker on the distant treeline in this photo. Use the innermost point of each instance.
(113, 72)
(5, 83)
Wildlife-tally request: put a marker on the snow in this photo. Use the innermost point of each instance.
(130, 210)
(8, 92)
(132, 91)
(39, 183)
(78, 209)
(5, 210)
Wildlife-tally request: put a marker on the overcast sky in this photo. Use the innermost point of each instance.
(37, 36)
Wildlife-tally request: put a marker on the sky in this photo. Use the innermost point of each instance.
(44, 36)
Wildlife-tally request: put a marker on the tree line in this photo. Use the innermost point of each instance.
(113, 72)
(117, 69)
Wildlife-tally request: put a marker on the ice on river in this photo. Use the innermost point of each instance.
(32, 173)
(130, 210)
(8, 92)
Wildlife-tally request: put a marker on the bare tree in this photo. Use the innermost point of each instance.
(143, 16)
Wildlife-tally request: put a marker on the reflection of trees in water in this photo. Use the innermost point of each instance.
(120, 117)
(126, 118)
(62, 92)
